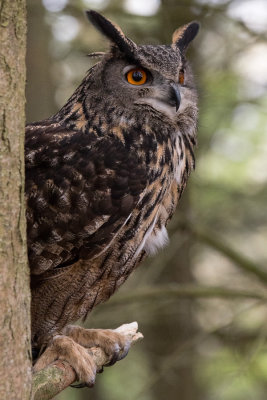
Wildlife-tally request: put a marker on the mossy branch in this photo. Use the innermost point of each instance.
(51, 380)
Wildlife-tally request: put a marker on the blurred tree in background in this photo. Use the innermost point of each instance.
(201, 303)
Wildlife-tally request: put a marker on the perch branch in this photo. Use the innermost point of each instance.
(51, 380)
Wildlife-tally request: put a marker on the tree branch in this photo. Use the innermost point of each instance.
(50, 381)
(218, 244)
(176, 291)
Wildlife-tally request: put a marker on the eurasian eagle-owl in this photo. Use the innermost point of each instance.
(103, 178)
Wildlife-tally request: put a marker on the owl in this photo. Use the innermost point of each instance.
(103, 178)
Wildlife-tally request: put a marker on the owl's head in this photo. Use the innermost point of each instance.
(153, 78)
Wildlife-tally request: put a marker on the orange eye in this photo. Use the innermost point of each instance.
(181, 77)
(136, 76)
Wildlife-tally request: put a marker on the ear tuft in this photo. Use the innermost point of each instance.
(184, 35)
(112, 32)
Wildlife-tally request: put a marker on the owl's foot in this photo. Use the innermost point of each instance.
(65, 348)
(114, 344)
(74, 347)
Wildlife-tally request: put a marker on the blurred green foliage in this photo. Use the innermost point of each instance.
(194, 348)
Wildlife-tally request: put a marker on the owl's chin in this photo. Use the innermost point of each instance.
(160, 106)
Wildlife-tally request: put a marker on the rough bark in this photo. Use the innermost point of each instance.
(15, 363)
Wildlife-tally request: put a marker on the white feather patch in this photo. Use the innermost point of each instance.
(180, 166)
(160, 106)
(156, 241)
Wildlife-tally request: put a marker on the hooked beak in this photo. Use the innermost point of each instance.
(175, 96)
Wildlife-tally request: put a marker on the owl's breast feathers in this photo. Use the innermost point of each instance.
(95, 204)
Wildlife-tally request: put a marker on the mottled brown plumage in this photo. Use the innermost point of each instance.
(103, 178)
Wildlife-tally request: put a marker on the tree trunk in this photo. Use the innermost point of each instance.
(15, 357)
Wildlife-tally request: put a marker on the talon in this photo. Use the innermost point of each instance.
(78, 385)
(113, 360)
(125, 351)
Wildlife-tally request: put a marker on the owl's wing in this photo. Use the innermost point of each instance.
(80, 191)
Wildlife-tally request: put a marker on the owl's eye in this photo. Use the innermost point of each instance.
(136, 76)
(181, 76)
